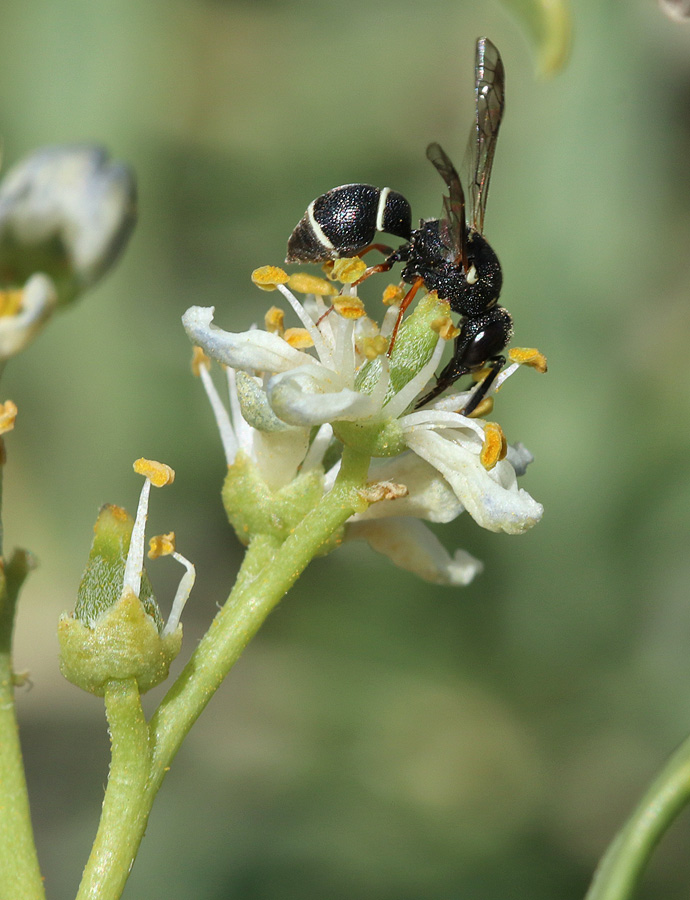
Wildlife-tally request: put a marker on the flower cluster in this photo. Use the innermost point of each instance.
(298, 395)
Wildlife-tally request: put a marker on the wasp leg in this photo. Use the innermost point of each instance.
(382, 248)
(407, 299)
(495, 365)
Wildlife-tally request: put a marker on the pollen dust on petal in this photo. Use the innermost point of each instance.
(383, 490)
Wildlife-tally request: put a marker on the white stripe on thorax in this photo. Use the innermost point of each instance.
(381, 211)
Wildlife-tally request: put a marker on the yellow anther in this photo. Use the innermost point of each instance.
(274, 320)
(8, 413)
(304, 283)
(371, 347)
(157, 473)
(267, 277)
(528, 356)
(299, 338)
(199, 359)
(161, 545)
(480, 374)
(444, 328)
(327, 269)
(349, 307)
(393, 294)
(348, 269)
(10, 302)
(495, 445)
(483, 409)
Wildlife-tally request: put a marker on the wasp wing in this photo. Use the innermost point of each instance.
(452, 227)
(489, 105)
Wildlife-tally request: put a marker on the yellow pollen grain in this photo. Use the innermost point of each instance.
(349, 307)
(495, 445)
(528, 356)
(274, 320)
(483, 409)
(371, 347)
(348, 269)
(8, 413)
(393, 294)
(267, 277)
(10, 302)
(304, 283)
(161, 545)
(299, 338)
(157, 472)
(444, 328)
(199, 359)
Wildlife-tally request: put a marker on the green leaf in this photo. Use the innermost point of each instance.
(549, 24)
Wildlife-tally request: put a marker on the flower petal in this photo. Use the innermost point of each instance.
(492, 498)
(312, 395)
(251, 351)
(429, 495)
(66, 211)
(39, 299)
(412, 546)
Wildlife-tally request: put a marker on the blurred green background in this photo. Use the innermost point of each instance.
(381, 738)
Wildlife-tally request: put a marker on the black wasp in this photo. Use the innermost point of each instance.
(449, 255)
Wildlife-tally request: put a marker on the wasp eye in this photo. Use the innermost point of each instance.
(472, 277)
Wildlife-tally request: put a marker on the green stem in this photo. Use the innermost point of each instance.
(622, 866)
(125, 810)
(245, 611)
(268, 571)
(20, 876)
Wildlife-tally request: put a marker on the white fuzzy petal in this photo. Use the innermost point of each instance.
(312, 395)
(412, 546)
(494, 505)
(429, 495)
(251, 351)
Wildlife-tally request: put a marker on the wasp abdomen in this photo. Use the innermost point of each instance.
(344, 220)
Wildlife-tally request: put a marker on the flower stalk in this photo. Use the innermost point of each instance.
(623, 864)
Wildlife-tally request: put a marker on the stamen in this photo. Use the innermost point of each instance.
(304, 283)
(184, 589)
(135, 555)
(274, 320)
(495, 445)
(269, 277)
(349, 307)
(157, 473)
(392, 294)
(444, 328)
(528, 356)
(11, 302)
(299, 338)
(400, 401)
(322, 350)
(8, 413)
(161, 545)
(483, 409)
(371, 347)
(348, 269)
(199, 361)
(220, 413)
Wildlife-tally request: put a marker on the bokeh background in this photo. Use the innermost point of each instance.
(381, 738)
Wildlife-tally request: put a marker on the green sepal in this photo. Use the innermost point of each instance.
(125, 643)
(101, 584)
(253, 508)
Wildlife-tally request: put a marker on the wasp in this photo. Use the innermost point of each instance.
(449, 255)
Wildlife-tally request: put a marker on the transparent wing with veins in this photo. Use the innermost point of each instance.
(452, 226)
(489, 106)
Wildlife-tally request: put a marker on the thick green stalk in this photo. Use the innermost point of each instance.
(268, 571)
(125, 809)
(20, 876)
(621, 868)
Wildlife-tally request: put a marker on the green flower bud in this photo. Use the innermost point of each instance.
(116, 631)
(66, 212)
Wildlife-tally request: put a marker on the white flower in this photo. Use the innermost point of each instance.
(439, 455)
